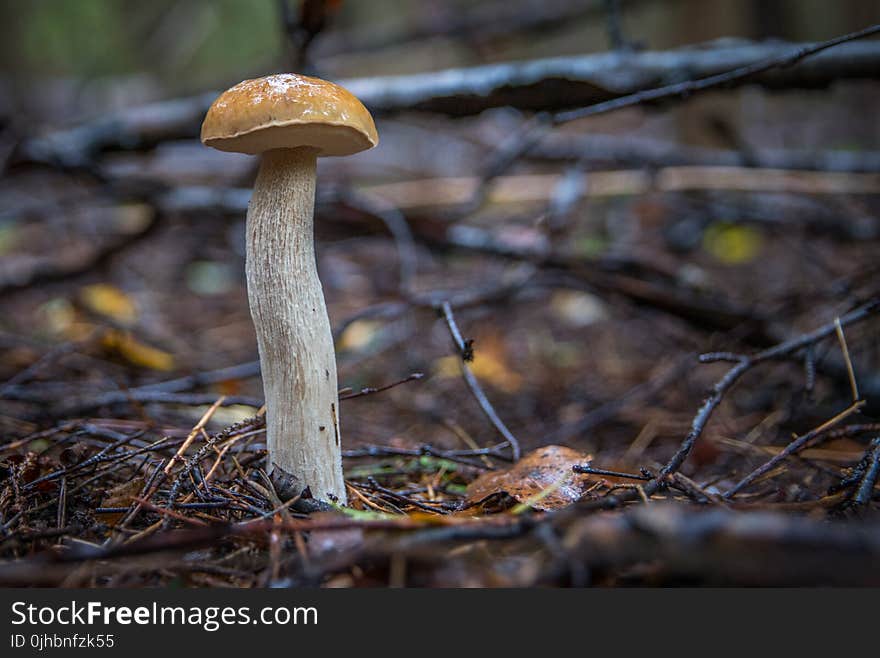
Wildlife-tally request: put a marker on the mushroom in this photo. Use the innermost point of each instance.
(290, 120)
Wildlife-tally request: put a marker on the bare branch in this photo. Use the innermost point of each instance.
(465, 349)
(547, 84)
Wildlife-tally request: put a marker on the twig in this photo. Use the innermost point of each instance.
(866, 487)
(162, 391)
(370, 390)
(745, 363)
(742, 364)
(502, 159)
(465, 350)
(691, 87)
(850, 371)
(535, 85)
(193, 433)
(51, 355)
(97, 458)
(795, 446)
(458, 456)
(633, 150)
(376, 487)
(586, 468)
(727, 547)
(54, 269)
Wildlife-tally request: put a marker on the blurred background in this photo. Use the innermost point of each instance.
(589, 271)
(64, 61)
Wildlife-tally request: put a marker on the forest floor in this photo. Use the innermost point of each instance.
(688, 374)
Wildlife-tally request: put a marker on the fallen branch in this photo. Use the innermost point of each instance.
(759, 548)
(776, 64)
(866, 486)
(546, 84)
(744, 363)
(531, 188)
(659, 153)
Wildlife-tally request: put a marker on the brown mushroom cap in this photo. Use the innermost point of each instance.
(288, 111)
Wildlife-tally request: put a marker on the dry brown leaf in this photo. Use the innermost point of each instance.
(547, 470)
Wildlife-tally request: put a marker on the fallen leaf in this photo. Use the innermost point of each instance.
(136, 352)
(543, 479)
(109, 301)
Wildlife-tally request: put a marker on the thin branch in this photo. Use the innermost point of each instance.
(502, 159)
(371, 390)
(690, 87)
(792, 448)
(866, 487)
(465, 350)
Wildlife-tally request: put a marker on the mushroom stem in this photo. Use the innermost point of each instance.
(293, 330)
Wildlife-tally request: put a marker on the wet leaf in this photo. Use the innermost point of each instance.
(543, 479)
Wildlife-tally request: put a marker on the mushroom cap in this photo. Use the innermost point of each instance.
(289, 111)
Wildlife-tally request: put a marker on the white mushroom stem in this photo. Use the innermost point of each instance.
(293, 331)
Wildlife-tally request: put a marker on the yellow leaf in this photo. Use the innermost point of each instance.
(136, 352)
(732, 244)
(109, 301)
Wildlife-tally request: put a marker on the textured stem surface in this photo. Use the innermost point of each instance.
(293, 331)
